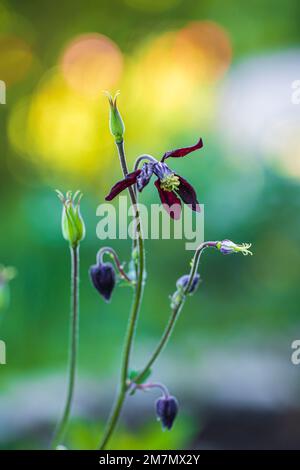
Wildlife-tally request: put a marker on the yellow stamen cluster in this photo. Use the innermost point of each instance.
(170, 183)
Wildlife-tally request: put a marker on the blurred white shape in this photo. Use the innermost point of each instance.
(296, 92)
(257, 114)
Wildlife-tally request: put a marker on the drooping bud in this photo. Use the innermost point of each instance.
(166, 410)
(181, 284)
(103, 278)
(166, 406)
(73, 228)
(116, 124)
(227, 247)
(183, 281)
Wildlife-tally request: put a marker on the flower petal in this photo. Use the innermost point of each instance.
(188, 194)
(182, 152)
(145, 176)
(123, 184)
(170, 201)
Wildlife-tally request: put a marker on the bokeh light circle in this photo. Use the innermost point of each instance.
(59, 130)
(91, 63)
(175, 70)
(204, 49)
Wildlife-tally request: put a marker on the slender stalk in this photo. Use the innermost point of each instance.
(149, 385)
(107, 249)
(122, 158)
(117, 407)
(134, 312)
(143, 157)
(176, 310)
(74, 333)
(114, 417)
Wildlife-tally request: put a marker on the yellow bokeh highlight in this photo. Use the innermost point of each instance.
(203, 49)
(62, 130)
(174, 65)
(173, 71)
(64, 125)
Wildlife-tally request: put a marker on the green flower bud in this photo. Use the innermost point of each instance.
(116, 124)
(72, 224)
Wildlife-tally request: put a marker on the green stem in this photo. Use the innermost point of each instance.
(113, 418)
(107, 249)
(176, 310)
(117, 407)
(134, 312)
(62, 425)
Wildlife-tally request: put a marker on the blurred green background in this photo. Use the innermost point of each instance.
(220, 70)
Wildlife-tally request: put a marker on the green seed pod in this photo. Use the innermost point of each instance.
(116, 124)
(72, 223)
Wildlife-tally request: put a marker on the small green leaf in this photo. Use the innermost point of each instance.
(134, 373)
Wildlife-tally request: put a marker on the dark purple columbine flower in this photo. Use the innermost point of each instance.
(103, 278)
(171, 187)
(166, 410)
(182, 282)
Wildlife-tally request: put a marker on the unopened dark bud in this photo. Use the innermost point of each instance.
(103, 278)
(166, 411)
